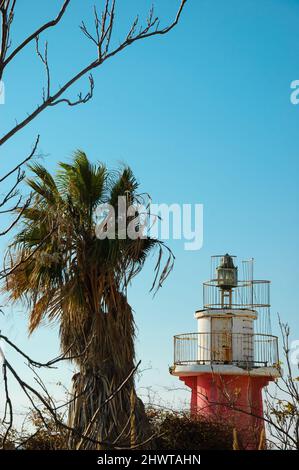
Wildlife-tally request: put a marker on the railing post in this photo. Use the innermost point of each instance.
(174, 352)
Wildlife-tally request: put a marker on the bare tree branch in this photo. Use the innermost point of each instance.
(103, 45)
(44, 59)
(8, 406)
(31, 392)
(23, 162)
(52, 362)
(6, 273)
(16, 220)
(13, 193)
(35, 34)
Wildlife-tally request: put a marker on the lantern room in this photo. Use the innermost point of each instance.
(233, 327)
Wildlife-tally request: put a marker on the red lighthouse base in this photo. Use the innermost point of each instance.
(235, 400)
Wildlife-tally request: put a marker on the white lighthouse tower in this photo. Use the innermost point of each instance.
(233, 355)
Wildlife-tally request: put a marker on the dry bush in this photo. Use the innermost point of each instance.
(181, 431)
(39, 432)
(46, 435)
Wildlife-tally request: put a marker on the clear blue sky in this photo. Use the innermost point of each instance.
(202, 115)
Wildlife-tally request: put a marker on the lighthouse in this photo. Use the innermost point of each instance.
(233, 355)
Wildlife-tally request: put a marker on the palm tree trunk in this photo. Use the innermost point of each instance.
(107, 363)
(109, 422)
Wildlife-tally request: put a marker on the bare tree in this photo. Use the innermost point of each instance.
(282, 404)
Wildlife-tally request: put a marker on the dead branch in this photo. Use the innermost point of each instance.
(13, 194)
(102, 40)
(6, 273)
(48, 364)
(31, 37)
(23, 162)
(44, 59)
(8, 406)
(32, 392)
(16, 220)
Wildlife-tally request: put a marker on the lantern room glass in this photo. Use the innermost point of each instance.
(227, 273)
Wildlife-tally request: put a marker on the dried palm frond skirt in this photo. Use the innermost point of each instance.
(103, 419)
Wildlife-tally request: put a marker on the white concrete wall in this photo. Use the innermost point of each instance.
(242, 342)
(204, 339)
(242, 323)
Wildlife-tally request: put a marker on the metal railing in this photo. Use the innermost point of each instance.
(241, 349)
(248, 294)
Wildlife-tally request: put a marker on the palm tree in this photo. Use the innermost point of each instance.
(66, 273)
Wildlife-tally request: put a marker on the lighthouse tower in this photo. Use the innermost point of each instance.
(233, 355)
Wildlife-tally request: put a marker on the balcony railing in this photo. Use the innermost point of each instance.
(241, 349)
